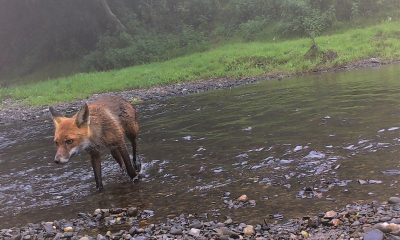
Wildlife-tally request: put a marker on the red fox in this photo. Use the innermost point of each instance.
(101, 124)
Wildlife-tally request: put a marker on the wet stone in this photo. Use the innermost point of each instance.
(132, 212)
(100, 237)
(97, 212)
(394, 200)
(224, 231)
(141, 238)
(243, 198)
(176, 231)
(374, 234)
(194, 232)
(228, 221)
(249, 230)
(220, 224)
(68, 235)
(132, 230)
(330, 214)
(388, 227)
(196, 224)
(68, 229)
(48, 227)
(385, 219)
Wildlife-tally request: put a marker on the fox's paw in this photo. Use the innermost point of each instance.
(137, 178)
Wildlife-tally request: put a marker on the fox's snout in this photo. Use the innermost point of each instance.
(63, 157)
(60, 160)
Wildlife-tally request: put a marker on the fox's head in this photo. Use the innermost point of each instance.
(71, 133)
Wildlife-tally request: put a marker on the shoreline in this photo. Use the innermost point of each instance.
(359, 220)
(12, 110)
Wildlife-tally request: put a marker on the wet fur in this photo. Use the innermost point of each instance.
(104, 123)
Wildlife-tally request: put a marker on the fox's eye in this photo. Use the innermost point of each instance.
(69, 141)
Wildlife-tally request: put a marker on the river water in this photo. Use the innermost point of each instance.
(296, 146)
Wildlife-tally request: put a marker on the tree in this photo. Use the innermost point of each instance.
(111, 16)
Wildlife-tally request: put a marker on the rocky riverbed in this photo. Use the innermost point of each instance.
(360, 220)
(11, 110)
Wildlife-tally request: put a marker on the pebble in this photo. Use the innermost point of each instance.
(194, 232)
(305, 234)
(330, 214)
(132, 212)
(97, 211)
(248, 230)
(196, 224)
(388, 227)
(243, 198)
(224, 231)
(228, 221)
(100, 237)
(68, 229)
(176, 231)
(394, 200)
(48, 227)
(374, 234)
(335, 222)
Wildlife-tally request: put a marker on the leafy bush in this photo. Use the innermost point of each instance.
(250, 29)
(300, 18)
(124, 50)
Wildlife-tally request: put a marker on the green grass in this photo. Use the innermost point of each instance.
(234, 60)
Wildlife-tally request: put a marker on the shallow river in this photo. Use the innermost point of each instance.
(296, 146)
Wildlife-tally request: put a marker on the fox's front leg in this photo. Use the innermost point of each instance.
(96, 164)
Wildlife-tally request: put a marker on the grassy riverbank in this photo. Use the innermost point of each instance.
(233, 61)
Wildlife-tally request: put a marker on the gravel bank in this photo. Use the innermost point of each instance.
(368, 221)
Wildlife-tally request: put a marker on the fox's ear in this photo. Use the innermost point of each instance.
(55, 115)
(82, 117)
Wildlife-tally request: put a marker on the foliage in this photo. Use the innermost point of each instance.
(34, 34)
(126, 50)
(232, 60)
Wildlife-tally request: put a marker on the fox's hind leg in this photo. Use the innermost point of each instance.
(128, 165)
(136, 160)
(118, 158)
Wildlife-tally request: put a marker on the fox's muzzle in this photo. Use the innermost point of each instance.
(59, 159)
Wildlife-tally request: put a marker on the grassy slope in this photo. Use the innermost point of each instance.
(232, 60)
